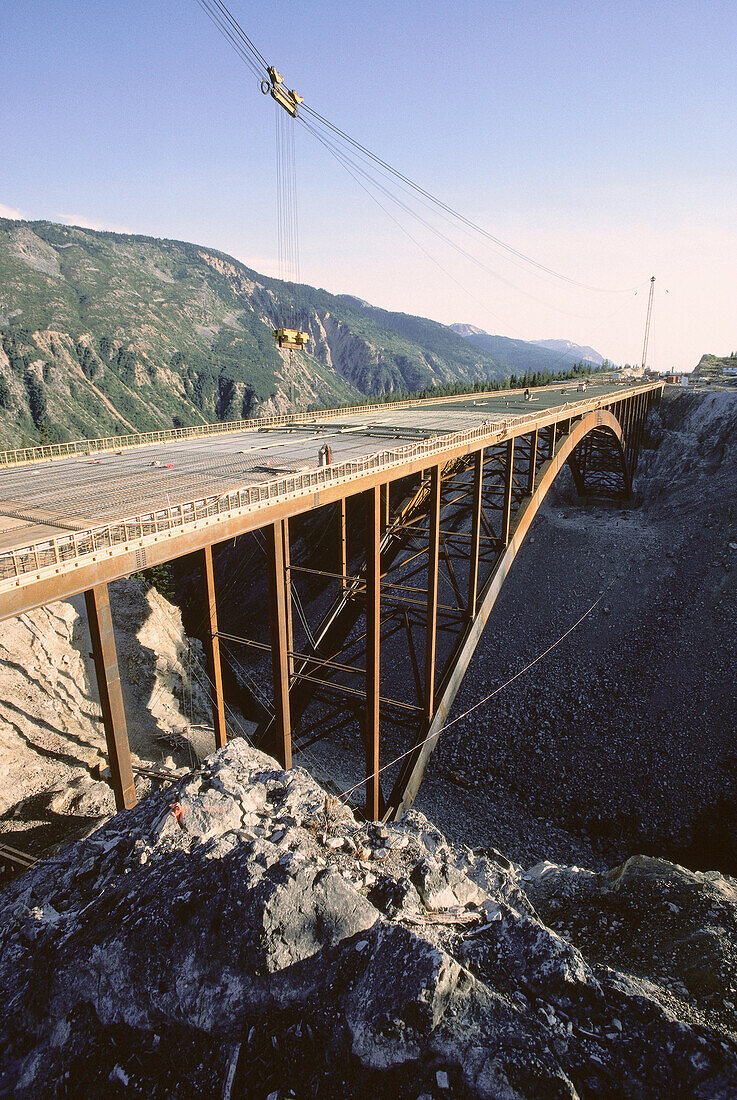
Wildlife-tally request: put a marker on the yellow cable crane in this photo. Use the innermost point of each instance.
(296, 338)
(289, 100)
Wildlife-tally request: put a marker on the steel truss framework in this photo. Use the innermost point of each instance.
(410, 600)
(436, 551)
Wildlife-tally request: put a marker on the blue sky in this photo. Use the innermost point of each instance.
(599, 138)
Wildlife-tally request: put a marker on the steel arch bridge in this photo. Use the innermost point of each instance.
(422, 536)
(442, 547)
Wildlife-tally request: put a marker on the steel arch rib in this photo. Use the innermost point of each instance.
(410, 777)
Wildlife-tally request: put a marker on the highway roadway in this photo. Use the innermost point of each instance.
(45, 499)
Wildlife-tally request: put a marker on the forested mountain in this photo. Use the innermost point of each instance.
(523, 355)
(104, 332)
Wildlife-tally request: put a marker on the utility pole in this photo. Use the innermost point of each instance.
(647, 323)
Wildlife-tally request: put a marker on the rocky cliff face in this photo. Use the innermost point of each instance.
(51, 738)
(241, 934)
(102, 333)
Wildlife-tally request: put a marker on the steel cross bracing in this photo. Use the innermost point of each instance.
(422, 539)
(449, 540)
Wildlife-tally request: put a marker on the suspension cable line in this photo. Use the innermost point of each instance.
(235, 39)
(354, 169)
(456, 214)
(290, 101)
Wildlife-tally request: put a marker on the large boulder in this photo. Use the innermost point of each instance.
(244, 904)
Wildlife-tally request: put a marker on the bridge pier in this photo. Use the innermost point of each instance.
(532, 466)
(476, 507)
(373, 651)
(343, 545)
(433, 565)
(508, 486)
(105, 656)
(279, 620)
(385, 506)
(212, 647)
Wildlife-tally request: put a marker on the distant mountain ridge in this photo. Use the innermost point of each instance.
(580, 352)
(468, 330)
(104, 332)
(529, 355)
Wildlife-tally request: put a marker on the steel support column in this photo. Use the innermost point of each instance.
(385, 506)
(212, 647)
(288, 593)
(635, 428)
(473, 567)
(628, 431)
(637, 405)
(431, 621)
(373, 650)
(508, 482)
(531, 469)
(279, 640)
(105, 655)
(642, 403)
(343, 544)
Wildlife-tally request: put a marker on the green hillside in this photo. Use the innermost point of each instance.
(101, 333)
(715, 368)
(526, 356)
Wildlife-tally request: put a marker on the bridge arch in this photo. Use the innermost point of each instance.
(573, 449)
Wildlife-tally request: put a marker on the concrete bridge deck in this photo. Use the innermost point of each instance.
(43, 501)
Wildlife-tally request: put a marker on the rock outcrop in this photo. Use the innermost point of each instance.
(241, 934)
(51, 737)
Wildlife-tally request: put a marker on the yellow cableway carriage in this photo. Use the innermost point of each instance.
(290, 337)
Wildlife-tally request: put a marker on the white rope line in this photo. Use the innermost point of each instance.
(481, 702)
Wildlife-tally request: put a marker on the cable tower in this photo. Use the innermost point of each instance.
(647, 322)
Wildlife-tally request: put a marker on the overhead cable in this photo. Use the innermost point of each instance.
(231, 29)
(355, 169)
(239, 41)
(457, 215)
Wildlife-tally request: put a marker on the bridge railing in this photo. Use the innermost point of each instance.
(105, 537)
(81, 448)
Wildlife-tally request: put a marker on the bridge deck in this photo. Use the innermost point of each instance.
(74, 522)
(42, 500)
